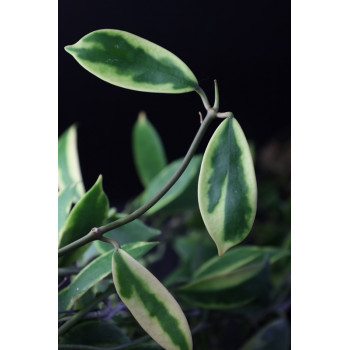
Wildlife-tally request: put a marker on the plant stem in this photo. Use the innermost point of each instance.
(90, 237)
(204, 98)
(190, 153)
(96, 233)
(80, 314)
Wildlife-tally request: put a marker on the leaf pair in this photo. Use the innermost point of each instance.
(227, 187)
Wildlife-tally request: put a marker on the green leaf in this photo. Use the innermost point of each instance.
(68, 162)
(178, 190)
(231, 281)
(280, 264)
(126, 60)
(66, 198)
(193, 250)
(150, 303)
(149, 154)
(134, 231)
(94, 272)
(91, 211)
(227, 190)
(274, 336)
(95, 333)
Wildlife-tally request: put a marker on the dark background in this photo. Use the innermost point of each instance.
(245, 45)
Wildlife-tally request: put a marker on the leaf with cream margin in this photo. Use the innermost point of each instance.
(227, 190)
(153, 307)
(129, 61)
(97, 270)
(69, 172)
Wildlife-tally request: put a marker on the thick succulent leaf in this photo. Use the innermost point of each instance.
(178, 190)
(235, 279)
(66, 198)
(97, 270)
(68, 162)
(91, 211)
(134, 231)
(126, 60)
(274, 336)
(151, 304)
(95, 333)
(149, 154)
(227, 190)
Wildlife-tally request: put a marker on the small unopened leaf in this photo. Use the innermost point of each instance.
(68, 162)
(91, 211)
(97, 270)
(227, 190)
(179, 189)
(134, 231)
(274, 336)
(149, 154)
(126, 60)
(151, 304)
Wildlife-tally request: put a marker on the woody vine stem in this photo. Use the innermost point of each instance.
(97, 233)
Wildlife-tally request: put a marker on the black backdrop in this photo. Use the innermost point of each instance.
(245, 45)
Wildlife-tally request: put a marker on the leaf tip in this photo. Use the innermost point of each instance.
(69, 49)
(142, 116)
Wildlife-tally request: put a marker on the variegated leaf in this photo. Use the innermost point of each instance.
(97, 270)
(151, 304)
(68, 162)
(227, 190)
(131, 62)
(231, 281)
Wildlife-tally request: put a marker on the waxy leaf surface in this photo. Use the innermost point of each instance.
(149, 154)
(178, 190)
(134, 231)
(68, 162)
(96, 271)
(227, 190)
(91, 211)
(126, 60)
(150, 303)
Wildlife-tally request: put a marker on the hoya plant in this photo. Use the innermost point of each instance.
(200, 206)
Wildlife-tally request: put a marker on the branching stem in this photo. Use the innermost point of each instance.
(97, 233)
